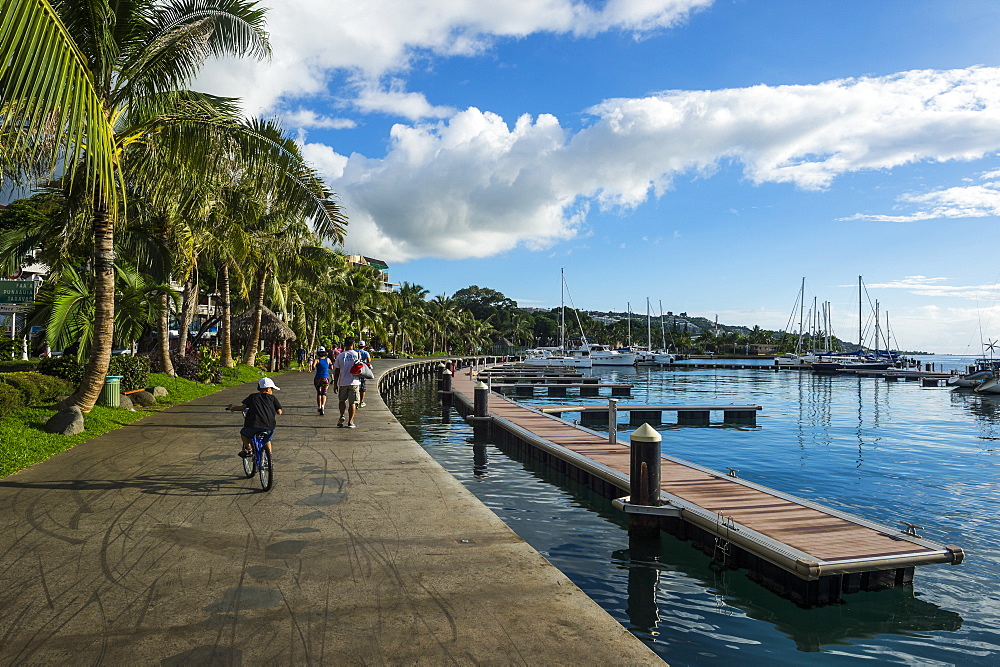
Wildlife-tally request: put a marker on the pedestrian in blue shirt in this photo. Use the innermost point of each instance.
(321, 380)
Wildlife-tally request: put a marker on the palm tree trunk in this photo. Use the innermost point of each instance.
(164, 337)
(225, 329)
(96, 369)
(250, 353)
(312, 336)
(188, 309)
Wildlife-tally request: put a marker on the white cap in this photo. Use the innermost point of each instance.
(264, 383)
(361, 343)
(321, 349)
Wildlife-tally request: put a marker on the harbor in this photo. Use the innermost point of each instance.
(801, 444)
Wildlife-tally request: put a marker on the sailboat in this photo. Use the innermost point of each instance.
(857, 361)
(547, 356)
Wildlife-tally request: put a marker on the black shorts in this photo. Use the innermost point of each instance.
(251, 432)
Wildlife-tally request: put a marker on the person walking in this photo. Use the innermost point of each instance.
(321, 380)
(346, 384)
(300, 355)
(366, 358)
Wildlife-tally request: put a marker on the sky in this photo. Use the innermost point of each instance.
(708, 154)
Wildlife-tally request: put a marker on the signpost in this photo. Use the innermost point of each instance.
(13, 295)
(17, 291)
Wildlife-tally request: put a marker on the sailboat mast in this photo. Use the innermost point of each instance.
(628, 307)
(562, 309)
(878, 334)
(649, 328)
(663, 333)
(861, 346)
(802, 310)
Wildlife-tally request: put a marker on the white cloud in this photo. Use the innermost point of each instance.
(396, 100)
(471, 186)
(968, 201)
(314, 39)
(307, 119)
(923, 286)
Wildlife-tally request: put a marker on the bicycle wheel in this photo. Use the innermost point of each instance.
(265, 471)
(248, 465)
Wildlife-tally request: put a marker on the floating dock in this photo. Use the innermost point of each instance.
(800, 549)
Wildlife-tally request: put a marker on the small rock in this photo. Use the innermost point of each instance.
(126, 402)
(66, 422)
(143, 398)
(158, 391)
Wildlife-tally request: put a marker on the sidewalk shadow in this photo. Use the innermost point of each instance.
(156, 484)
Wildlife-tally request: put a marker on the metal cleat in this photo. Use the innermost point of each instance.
(732, 471)
(911, 528)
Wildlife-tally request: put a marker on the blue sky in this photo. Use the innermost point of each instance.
(708, 154)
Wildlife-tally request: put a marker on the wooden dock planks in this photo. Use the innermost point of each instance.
(837, 542)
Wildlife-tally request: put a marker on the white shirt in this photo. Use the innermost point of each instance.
(345, 360)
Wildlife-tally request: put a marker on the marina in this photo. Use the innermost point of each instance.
(803, 445)
(771, 534)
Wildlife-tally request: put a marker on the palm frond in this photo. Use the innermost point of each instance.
(47, 91)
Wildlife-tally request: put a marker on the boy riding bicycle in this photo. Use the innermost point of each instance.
(262, 409)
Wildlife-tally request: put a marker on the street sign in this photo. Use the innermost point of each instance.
(17, 291)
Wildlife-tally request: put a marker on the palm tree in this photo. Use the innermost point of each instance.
(116, 81)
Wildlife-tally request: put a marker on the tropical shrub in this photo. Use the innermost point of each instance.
(36, 388)
(208, 366)
(65, 367)
(11, 399)
(262, 360)
(133, 369)
(28, 387)
(10, 347)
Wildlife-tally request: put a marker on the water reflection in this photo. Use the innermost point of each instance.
(896, 611)
(984, 407)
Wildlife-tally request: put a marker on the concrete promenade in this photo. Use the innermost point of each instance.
(148, 545)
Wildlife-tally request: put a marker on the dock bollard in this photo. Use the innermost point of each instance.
(481, 412)
(644, 479)
(446, 378)
(612, 421)
(441, 368)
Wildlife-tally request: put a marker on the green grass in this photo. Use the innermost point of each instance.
(23, 442)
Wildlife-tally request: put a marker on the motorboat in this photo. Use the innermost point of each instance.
(642, 355)
(990, 385)
(601, 355)
(791, 359)
(541, 356)
(973, 379)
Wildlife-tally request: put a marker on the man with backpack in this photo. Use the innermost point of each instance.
(346, 384)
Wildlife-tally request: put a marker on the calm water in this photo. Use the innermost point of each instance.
(885, 451)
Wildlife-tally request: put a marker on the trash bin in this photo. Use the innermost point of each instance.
(111, 392)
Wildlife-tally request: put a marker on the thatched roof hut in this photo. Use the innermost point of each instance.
(271, 327)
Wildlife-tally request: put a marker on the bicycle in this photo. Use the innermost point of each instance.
(259, 461)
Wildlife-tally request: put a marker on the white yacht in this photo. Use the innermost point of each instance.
(542, 356)
(601, 355)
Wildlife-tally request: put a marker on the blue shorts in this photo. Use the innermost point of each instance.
(251, 432)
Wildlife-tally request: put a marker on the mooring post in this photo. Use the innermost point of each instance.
(612, 421)
(446, 393)
(481, 412)
(644, 479)
(441, 368)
